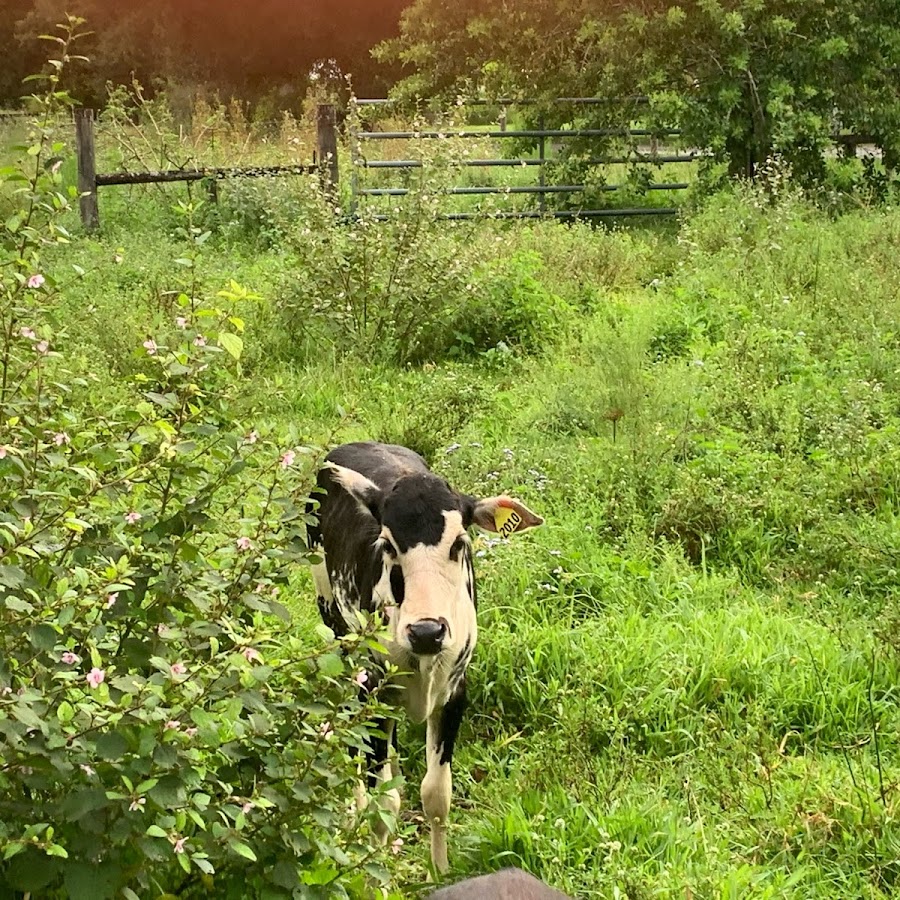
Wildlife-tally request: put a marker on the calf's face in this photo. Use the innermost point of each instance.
(427, 582)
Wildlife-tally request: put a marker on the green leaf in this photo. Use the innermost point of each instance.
(330, 664)
(111, 745)
(11, 576)
(28, 717)
(155, 831)
(86, 881)
(324, 632)
(43, 637)
(204, 865)
(82, 802)
(241, 849)
(12, 849)
(231, 343)
(17, 605)
(65, 712)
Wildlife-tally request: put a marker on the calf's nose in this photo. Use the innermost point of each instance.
(426, 637)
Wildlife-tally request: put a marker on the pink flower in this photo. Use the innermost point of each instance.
(190, 732)
(61, 438)
(252, 438)
(70, 658)
(42, 346)
(181, 322)
(362, 676)
(396, 845)
(243, 543)
(3, 451)
(246, 807)
(178, 845)
(54, 169)
(96, 677)
(35, 281)
(250, 654)
(287, 459)
(111, 599)
(137, 805)
(326, 730)
(173, 724)
(132, 517)
(28, 333)
(178, 669)
(199, 341)
(87, 770)
(151, 347)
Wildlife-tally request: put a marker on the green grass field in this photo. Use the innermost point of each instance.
(686, 681)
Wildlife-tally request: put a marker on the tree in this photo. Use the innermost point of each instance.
(744, 78)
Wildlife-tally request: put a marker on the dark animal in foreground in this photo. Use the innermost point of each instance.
(507, 884)
(395, 538)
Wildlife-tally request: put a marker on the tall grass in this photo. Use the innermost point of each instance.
(686, 681)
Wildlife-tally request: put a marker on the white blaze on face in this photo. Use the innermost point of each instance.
(434, 586)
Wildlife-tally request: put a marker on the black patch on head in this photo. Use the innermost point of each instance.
(467, 508)
(414, 510)
(398, 585)
(457, 547)
(473, 591)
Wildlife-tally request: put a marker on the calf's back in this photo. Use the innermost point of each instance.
(507, 884)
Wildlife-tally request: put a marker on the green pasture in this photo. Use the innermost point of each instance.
(686, 684)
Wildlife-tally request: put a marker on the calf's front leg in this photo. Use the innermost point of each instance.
(443, 727)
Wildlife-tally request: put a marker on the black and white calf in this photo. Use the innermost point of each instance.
(394, 537)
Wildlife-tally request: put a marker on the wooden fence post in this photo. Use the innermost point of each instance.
(87, 169)
(326, 144)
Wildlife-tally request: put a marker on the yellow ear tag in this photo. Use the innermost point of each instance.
(507, 520)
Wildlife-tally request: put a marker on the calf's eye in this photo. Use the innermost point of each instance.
(457, 547)
(398, 586)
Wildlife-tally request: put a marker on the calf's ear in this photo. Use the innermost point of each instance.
(365, 492)
(502, 515)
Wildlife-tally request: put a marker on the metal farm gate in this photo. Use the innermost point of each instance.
(363, 162)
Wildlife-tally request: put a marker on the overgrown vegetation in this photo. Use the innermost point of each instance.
(163, 729)
(686, 682)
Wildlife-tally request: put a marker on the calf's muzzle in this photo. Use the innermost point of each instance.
(426, 637)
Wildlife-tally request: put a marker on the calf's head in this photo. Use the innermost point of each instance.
(426, 581)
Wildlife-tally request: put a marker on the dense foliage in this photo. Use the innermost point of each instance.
(744, 78)
(163, 729)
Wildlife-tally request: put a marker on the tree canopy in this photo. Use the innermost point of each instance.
(744, 77)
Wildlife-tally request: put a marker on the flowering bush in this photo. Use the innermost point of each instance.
(162, 729)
